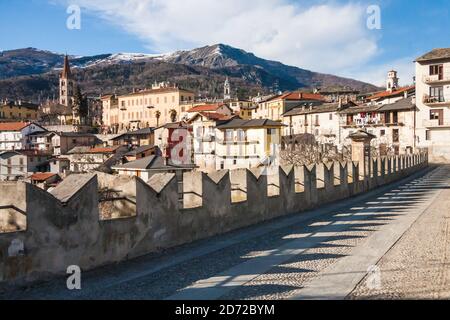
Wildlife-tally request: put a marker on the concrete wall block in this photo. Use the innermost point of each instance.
(192, 189)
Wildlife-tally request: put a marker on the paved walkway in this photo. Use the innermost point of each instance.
(390, 243)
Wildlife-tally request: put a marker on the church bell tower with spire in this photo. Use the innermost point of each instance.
(66, 85)
(227, 90)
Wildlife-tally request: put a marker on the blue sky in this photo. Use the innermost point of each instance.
(329, 36)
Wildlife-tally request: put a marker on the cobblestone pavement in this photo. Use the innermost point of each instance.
(418, 266)
(277, 259)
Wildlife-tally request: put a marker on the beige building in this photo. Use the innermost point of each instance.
(110, 108)
(433, 103)
(274, 107)
(163, 103)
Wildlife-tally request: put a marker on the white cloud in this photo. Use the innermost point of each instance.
(328, 37)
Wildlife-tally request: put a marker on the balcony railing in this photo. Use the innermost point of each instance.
(435, 101)
(436, 79)
(436, 123)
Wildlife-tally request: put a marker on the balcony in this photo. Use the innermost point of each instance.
(440, 101)
(436, 79)
(436, 124)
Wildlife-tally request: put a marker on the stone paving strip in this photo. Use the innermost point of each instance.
(256, 252)
(339, 280)
(246, 273)
(417, 267)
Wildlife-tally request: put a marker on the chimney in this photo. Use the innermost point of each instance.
(340, 103)
(405, 94)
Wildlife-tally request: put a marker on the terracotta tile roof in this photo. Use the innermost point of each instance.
(42, 176)
(205, 108)
(300, 96)
(387, 94)
(215, 116)
(103, 150)
(12, 126)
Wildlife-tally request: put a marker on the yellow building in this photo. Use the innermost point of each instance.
(154, 107)
(18, 110)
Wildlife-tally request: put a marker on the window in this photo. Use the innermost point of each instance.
(382, 133)
(331, 116)
(395, 135)
(317, 120)
(437, 115)
(436, 69)
(395, 117)
(437, 93)
(428, 135)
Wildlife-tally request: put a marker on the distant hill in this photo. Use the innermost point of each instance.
(32, 74)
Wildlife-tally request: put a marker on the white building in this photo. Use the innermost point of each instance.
(15, 135)
(16, 165)
(233, 143)
(433, 103)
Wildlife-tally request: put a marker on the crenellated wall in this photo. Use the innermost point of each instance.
(92, 220)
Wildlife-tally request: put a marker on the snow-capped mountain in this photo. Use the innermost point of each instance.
(202, 69)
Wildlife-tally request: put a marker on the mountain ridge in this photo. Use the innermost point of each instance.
(22, 69)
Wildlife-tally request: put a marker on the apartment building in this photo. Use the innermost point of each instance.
(393, 124)
(321, 121)
(249, 144)
(110, 116)
(17, 165)
(15, 135)
(19, 110)
(433, 103)
(222, 142)
(163, 103)
(274, 107)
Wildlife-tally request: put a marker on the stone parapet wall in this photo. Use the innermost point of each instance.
(94, 220)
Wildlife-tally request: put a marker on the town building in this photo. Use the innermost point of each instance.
(110, 118)
(18, 111)
(219, 108)
(45, 180)
(15, 135)
(137, 138)
(323, 122)
(394, 124)
(86, 159)
(224, 142)
(168, 137)
(204, 139)
(433, 103)
(63, 142)
(139, 153)
(20, 164)
(146, 167)
(274, 107)
(163, 103)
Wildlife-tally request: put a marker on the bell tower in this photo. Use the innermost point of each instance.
(392, 81)
(66, 85)
(227, 90)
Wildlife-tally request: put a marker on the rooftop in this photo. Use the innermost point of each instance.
(435, 54)
(237, 123)
(300, 96)
(206, 108)
(13, 126)
(387, 94)
(90, 150)
(139, 150)
(150, 163)
(328, 107)
(42, 176)
(403, 104)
